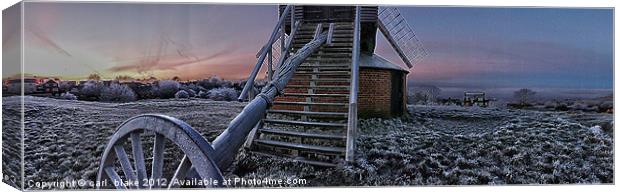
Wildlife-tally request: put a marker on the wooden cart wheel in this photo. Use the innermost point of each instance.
(198, 154)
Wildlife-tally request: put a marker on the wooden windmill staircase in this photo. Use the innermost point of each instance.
(309, 122)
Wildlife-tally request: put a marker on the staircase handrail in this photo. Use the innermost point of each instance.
(352, 120)
(249, 84)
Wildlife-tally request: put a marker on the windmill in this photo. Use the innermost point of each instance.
(314, 121)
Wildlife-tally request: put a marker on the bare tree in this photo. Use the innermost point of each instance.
(524, 96)
(426, 94)
(94, 76)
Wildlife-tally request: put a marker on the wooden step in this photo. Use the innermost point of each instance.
(323, 72)
(301, 44)
(328, 60)
(331, 55)
(302, 134)
(325, 62)
(305, 123)
(327, 49)
(338, 87)
(308, 65)
(309, 113)
(298, 146)
(324, 68)
(334, 40)
(321, 80)
(297, 159)
(348, 27)
(315, 95)
(334, 36)
(311, 32)
(343, 59)
(308, 103)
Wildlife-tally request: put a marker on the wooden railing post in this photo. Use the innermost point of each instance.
(270, 64)
(288, 43)
(292, 16)
(250, 82)
(352, 122)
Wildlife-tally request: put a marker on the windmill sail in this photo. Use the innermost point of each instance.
(400, 36)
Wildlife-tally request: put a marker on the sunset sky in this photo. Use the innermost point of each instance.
(489, 47)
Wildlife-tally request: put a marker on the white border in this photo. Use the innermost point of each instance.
(518, 3)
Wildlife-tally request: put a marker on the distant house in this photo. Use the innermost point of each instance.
(50, 86)
(14, 86)
(475, 98)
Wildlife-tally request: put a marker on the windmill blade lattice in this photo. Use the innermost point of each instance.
(397, 29)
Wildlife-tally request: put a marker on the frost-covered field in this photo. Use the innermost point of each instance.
(64, 139)
(433, 146)
(461, 146)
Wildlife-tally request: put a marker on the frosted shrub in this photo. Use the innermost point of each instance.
(214, 82)
(167, 88)
(92, 89)
(146, 92)
(118, 93)
(68, 96)
(191, 87)
(222, 94)
(203, 94)
(605, 106)
(65, 86)
(551, 104)
(182, 94)
(191, 93)
(579, 106)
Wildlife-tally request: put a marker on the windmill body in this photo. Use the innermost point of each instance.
(311, 121)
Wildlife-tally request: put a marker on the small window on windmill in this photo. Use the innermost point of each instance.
(475, 99)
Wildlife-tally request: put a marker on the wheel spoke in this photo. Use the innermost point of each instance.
(116, 180)
(181, 171)
(158, 159)
(138, 157)
(124, 160)
(128, 168)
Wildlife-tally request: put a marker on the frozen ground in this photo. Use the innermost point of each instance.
(461, 146)
(65, 139)
(434, 146)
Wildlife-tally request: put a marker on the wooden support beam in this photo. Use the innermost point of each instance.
(330, 34)
(317, 31)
